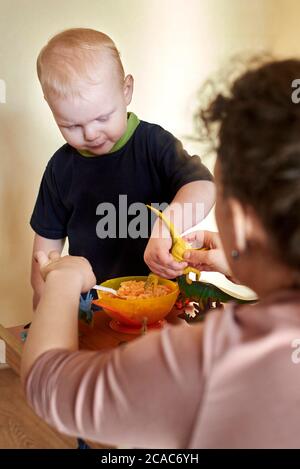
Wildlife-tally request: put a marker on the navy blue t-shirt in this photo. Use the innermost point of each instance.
(150, 168)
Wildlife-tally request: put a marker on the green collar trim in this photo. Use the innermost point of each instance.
(132, 123)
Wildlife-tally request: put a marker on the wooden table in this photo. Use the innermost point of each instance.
(97, 337)
(100, 336)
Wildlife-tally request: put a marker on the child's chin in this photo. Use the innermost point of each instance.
(100, 150)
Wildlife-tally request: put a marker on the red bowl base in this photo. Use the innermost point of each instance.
(118, 327)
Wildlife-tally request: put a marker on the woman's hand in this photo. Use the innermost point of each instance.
(77, 267)
(212, 259)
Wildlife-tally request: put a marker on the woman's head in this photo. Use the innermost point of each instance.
(258, 155)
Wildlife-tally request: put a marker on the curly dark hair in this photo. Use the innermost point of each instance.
(256, 130)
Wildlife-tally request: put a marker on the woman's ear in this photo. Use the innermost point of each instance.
(247, 228)
(128, 88)
(239, 222)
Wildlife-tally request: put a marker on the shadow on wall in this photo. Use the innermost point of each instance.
(15, 207)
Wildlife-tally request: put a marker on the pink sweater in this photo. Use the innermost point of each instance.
(231, 383)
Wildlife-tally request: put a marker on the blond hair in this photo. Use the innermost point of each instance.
(73, 56)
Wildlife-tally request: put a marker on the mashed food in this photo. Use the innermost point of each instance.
(133, 289)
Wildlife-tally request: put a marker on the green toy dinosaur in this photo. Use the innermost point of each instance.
(204, 296)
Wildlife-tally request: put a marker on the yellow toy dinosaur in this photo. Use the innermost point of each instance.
(179, 245)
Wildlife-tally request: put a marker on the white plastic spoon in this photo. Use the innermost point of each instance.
(106, 289)
(109, 290)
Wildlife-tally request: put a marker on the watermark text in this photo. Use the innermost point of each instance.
(136, 220)
(2, 91)
(296, 92)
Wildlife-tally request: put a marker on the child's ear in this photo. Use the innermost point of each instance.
(246, 225)
(128, 89)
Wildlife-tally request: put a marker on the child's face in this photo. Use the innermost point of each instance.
(97, 119)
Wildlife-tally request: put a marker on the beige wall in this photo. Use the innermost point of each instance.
(170, 46)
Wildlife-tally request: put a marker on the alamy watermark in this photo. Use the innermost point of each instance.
(296, 93)
(296, 353)
(2, 91)
(136, 220)
(2, 351)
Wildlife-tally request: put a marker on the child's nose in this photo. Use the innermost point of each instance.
(91, 133)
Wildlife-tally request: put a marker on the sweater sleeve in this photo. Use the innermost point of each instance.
(143, 393)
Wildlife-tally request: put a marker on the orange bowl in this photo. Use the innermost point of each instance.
(133, 312)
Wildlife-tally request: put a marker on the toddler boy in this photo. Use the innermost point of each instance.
(111, 160)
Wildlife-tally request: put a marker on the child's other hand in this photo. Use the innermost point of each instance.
(78, 267)
(159, 260)
(213, 258)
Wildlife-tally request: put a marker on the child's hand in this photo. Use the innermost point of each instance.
(159, 260)
(213, 258)
(77, 267)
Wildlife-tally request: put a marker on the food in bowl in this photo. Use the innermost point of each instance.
(133, 289)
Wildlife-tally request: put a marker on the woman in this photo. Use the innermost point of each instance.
(230, 382)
